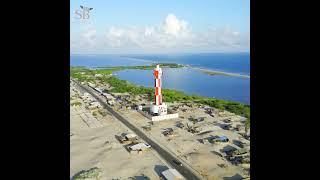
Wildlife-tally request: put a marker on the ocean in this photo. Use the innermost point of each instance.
(188, 80)
(238, 63)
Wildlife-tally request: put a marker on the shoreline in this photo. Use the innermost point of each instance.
(214, 72)
(171, 95)
(203, 70)
(113, 69)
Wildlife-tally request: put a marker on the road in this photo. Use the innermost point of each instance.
(186, 172)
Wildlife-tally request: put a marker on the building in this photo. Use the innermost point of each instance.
(168, 132)
(158, 110)
(94, 105)
(158, 107)
(139, 147)
(98, 75)
(110, 98)
(91, 84)
(130, 136)
(98, 89)
(221, 139)
(171, 174)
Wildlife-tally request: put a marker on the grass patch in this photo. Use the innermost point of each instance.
(77, 103)
(93, 173)
(103, 113)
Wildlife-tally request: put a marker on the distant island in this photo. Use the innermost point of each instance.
(149, 67)
(212, 72)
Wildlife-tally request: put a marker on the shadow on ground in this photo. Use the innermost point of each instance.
(141, 177)
(235, 177)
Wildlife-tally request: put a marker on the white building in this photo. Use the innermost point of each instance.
(131, 136)
(98, 89)
(172, 174)
(98, 75)
(139, 147)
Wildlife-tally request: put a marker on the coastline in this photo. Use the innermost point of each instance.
(111, 70)
(213, 72)
(171, 95)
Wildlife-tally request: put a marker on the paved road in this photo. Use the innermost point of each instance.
(164, 154)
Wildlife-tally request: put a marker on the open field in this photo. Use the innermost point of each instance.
(96, 146)
(187, 146)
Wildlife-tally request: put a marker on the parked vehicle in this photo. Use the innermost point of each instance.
(177, 162)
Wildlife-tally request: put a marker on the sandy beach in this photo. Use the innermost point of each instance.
(212, 72)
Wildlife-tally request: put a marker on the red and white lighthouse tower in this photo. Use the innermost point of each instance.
(157, 72)
(158, 107)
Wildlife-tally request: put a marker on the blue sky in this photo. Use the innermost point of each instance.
(144, 26)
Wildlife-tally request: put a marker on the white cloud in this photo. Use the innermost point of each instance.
(172, 35)
(174, 26)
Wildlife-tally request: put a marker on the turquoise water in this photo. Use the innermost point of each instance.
(193, 81)
(232, 62)
(187, 80)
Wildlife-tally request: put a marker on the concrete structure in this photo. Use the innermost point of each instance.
(94, 105)
(110, 98)
(139, 147)
(158, 107)
(164, 117)
(221, 139)
(131, 136)
(98, 89)
(98, 75)
(172, 174)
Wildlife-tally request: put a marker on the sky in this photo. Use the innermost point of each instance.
(160, 26)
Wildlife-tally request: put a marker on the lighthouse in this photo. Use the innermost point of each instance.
(158, 107)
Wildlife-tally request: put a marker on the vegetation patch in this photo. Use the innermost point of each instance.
(169, 95)
(77, 103)
(103, 113)
(91, 174)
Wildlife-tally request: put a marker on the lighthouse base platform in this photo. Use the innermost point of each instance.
(164, 117)
(158, 113)
(158, 109)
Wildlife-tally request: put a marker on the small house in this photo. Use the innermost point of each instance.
(130, 137)
(139, 147)
(168, 132)
(171, 174)
(221, 139)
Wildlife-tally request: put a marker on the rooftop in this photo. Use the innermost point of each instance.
(140, 146)
(172, 174)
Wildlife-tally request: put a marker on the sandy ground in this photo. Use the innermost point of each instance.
(187, 146)
(95, 145)
(212, 72)
(89, 148)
